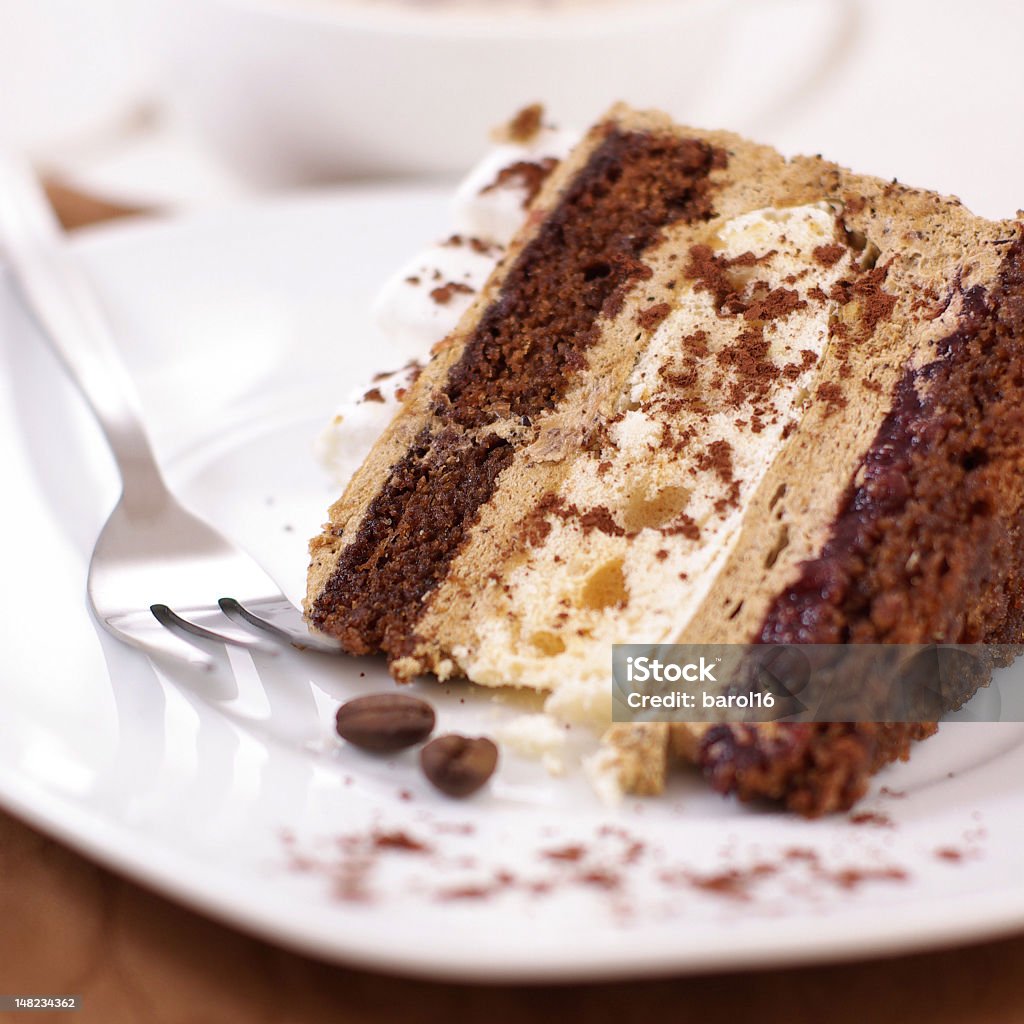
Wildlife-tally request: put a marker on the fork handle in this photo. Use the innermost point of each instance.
(65, 305)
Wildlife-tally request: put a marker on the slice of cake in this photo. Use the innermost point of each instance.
(707, 395)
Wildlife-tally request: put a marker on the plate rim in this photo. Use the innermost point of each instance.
(931, 927)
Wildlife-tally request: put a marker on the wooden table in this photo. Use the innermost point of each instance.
(71, 927)
(67, 926)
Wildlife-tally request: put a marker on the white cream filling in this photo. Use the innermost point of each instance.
(342, 446)
(551, 624)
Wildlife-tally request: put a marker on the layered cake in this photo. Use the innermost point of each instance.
(706, 394)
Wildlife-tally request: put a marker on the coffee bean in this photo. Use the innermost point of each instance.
(385, 721)
(459, 765)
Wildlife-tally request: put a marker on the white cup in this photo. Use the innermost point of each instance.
(67, 67)
(291, 92)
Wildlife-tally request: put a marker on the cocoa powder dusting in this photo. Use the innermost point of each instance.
(652, 316)
(528, 175)
(602, 878)
(573, 853)
(830, 395)
(442, 295)
(607, 862)
(874, 304)
(871, 818)
(734, 884)
(779, 302)
(695, 344)
(711, 273)
(853, 878)
(600, 518)
(685, 526)
(753, 372)
(829, 255)
(717, 458)
(398, 840)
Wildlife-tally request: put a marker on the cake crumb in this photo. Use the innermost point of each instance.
(524, 126)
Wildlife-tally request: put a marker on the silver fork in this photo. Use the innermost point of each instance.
(160, 578)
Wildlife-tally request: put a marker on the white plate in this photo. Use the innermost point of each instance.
(242, 329)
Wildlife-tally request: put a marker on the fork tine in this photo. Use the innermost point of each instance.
(141, 630)
(281, 619)
(173, 621)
